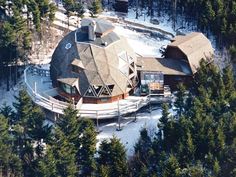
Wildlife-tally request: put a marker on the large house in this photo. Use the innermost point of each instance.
(94, 63)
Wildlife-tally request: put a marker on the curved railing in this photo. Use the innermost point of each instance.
(45, 100)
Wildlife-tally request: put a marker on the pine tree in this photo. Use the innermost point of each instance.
(69, 124)
(143, 155)
(216, 168)
(229, 82)
(194, 171)
(9, 161)
(81, 134)
(96, 7)
(163, 120)
(143, 145)
(86, 148)
(172, 168)
(112, 155)
(65, 154)
(103, 171)
(167, 129)
(47, 164)
(220, 139)
(180, 100)
(29, 129)
(7, 112)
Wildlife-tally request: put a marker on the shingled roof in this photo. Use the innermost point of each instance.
(102, 26)
(100, 64)
(166, 65)
(195, 46)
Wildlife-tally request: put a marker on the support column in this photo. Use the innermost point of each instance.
(119, 116)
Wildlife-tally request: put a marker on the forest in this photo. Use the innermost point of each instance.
(217, 17)
(198, 140)
(22, 22)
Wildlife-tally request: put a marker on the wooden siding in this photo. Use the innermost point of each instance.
(104, 100)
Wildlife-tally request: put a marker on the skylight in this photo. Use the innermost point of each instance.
(68, 46)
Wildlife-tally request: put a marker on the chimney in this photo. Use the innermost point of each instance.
(91, 30)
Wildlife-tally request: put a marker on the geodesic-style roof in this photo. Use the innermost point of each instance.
(102, 70)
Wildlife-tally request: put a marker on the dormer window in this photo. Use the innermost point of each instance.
(77, 65)
(68, 85)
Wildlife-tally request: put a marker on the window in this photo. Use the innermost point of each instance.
(75, 69)
(73, 90)
(66, 88)
(97, 88)
(111, 87)
(123, 56)
(89, 92)
(77, 65)
(104, 99)
(105, 92)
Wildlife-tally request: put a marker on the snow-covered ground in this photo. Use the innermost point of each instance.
(143, 44)
(146, 45)
(130, 132)
(164, 23)
(8, 97)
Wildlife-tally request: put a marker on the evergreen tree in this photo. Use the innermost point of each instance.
(112, 155)
(103, 171)
(10, 164)
(69, 124)
(64, 153)
(143, 155)
(7, 112)
(163, 120)
(180, 100)
(47, 165)
(216, 168)
(86, 148)
(29, 130)
(172, 168)
(81, 134)
(229, 83)
(96, 7)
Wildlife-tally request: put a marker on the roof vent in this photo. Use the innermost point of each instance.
(68, 46)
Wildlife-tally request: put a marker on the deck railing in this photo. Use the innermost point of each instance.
(43, 99)
(46, 100)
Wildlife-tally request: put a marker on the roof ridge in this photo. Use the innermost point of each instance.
(190, 37)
